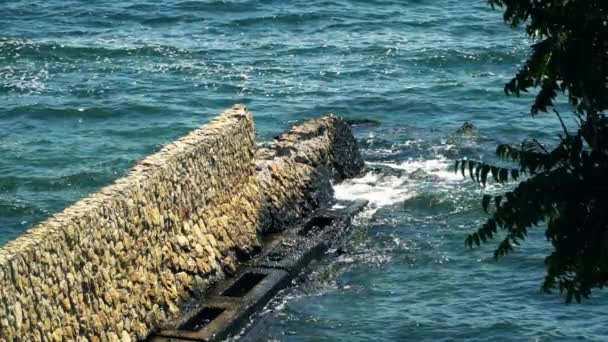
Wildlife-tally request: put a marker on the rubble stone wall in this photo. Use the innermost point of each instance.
(295, 171)
(115, 265)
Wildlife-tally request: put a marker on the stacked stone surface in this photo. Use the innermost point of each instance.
(296, 170)
(115, 265)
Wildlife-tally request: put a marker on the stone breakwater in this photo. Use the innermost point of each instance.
(295, 171)
(117, 264)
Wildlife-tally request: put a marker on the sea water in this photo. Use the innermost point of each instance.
(89, 87)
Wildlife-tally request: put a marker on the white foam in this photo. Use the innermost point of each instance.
(24, 80)
(440, 167)
(378, 189)
(385, 190)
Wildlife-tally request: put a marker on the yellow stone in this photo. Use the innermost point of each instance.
(124, 337)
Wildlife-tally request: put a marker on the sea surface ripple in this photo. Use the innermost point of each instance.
(89, 87)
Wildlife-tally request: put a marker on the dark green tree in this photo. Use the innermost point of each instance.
(565, 187)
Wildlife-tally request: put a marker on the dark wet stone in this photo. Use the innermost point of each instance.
(466, 128)
(341, 251)
(328, 151)
(384, 170)
(363, 122)
(419, 174)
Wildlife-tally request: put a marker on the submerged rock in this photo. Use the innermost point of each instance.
(363, 122)
(467, 128)
(384, 170)
(419, 174)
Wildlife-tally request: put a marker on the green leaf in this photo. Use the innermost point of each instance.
(497, 201)
(485, 202)
(515, 174)
(476, 238)
(494, 170)
(471, 173)
(468, 242)
(462, 167)
(484, 174)
(503, 175)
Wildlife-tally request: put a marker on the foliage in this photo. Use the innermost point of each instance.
(564, 187)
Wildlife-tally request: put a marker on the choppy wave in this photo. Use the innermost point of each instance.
(16, 49)
(16, 209)
(380, 190)
(80, 111)
(440, 167)
(80, 180)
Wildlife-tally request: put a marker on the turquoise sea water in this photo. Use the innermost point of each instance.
(89, 87)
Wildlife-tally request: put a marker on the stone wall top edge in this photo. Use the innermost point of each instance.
(300, 133)
(51, 228)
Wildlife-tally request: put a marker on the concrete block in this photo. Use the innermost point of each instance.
(230, 305)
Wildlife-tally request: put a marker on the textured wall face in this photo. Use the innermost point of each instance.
(115, 264)
(296, 170)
